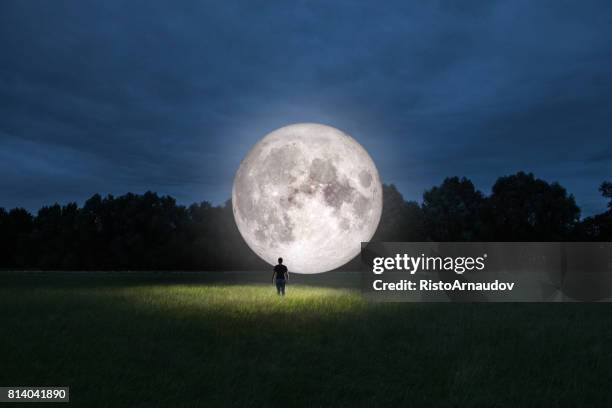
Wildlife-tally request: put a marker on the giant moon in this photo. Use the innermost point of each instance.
(308, 193)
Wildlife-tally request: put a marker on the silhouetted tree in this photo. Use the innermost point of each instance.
(597, 227)
(524, 208)
(452, 211)
(152, 232)
(606, 191)
(400, 220)
(4, 239)
(16, 237)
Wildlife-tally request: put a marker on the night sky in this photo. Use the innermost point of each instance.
(110, 97)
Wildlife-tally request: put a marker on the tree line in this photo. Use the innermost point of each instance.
(152, 232)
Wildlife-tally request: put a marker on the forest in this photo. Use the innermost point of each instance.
(152, 232)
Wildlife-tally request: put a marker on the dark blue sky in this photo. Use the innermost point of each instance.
(112, 97)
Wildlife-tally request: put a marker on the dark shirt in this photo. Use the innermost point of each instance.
(281, 271)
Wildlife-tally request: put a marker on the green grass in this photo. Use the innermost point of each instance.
(146, 342)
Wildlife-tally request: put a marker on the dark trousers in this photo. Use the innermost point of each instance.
(280, 286)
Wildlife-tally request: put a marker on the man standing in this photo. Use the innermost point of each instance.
(280, 276)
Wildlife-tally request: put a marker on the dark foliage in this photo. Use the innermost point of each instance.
(401, 220)
(598, 227)
(140, 232)
(524, 208)
(151, 232)
(453, 211)
(606, 191)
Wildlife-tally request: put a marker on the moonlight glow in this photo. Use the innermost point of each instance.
(308, 193)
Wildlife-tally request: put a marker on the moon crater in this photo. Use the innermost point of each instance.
(308, 193)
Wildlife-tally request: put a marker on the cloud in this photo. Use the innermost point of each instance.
(169, 97)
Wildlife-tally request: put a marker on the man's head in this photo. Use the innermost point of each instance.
(280, 260)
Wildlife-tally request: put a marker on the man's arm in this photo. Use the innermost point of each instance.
(273, 273)
(287, 274)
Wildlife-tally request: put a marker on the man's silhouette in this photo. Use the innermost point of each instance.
(280, 276)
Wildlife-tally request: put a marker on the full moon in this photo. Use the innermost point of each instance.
(308, 193)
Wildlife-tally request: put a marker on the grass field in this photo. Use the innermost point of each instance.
(156, 342)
